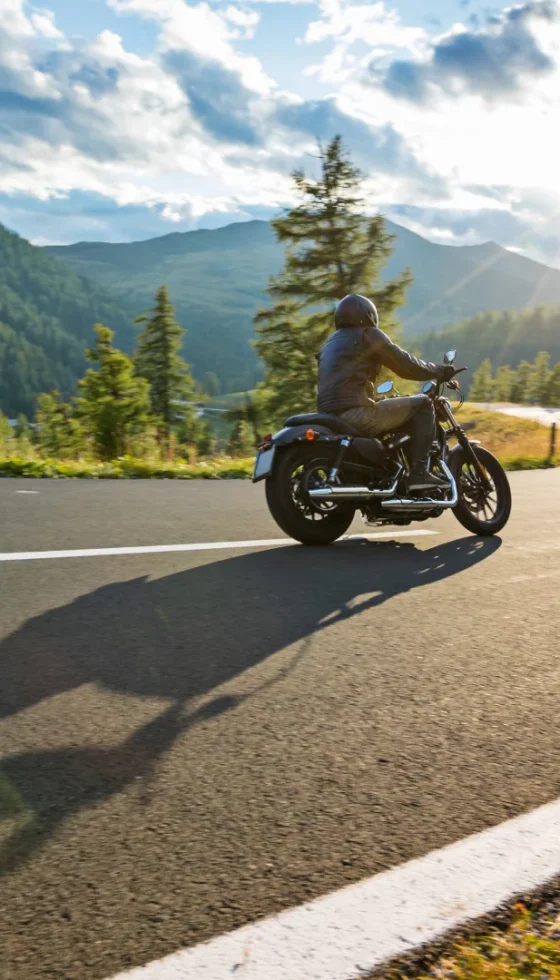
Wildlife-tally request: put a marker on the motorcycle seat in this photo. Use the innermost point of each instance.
(331, 422)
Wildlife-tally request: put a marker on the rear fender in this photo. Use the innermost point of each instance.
(298, 433)
(290, 436)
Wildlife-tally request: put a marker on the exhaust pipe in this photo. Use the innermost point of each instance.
(402, 504)
(353, 493)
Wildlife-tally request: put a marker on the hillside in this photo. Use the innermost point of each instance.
(506, 338)
(46, 315)
(217, 280)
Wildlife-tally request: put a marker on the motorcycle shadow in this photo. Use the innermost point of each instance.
(178, 638)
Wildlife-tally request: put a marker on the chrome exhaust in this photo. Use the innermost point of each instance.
(402, 504)
(353, 493)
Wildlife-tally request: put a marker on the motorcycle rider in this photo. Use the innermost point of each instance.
(350, 361)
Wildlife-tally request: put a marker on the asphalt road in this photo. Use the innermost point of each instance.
(193, 740)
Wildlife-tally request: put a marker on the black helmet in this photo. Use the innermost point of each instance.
(355, 311)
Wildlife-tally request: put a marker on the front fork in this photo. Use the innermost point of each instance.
(467, 447)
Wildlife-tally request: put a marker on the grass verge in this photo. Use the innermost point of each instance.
(128, 469)
(521, 942)
(519, 444)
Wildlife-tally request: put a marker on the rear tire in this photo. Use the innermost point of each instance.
(481, 521)
(291, 508)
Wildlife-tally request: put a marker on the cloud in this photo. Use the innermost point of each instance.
(378, 148)
(491, 62)
(216, 96)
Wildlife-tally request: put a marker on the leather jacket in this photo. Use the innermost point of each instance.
(350, 361)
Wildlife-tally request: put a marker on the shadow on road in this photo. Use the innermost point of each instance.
(180, 637)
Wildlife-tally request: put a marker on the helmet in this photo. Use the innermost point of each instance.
(355, 311)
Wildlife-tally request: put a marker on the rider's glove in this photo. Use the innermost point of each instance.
(445, 372)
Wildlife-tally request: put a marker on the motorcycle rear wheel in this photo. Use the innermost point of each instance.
(295, 471)
(478, 511)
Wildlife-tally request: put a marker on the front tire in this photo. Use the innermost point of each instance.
(480, 512)
(289, 504)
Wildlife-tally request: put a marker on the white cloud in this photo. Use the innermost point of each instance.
(198, 127)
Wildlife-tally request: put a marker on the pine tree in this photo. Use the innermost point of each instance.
(205, 440)
(59, 433)
(540, 378)
(481, 389)
(521, 382)
(553, 391)
(6, 436)
(211, 384)
(113, 402)
(158, 361)
(241, 442)
(503, 383)
(22, 427)
(332, 250)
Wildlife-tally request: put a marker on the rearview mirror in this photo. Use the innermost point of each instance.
(450, 357)
(385, 388)
(428, 387)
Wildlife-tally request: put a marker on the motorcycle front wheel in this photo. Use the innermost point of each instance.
(481, 510)
(296, 471)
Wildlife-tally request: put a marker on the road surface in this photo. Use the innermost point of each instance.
(192, 740)
(537, 413)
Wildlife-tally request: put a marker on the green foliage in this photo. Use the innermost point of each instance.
(113, 403)
(553, 392)
(241, 441)
(6, 435)
(505, 338)
(530, 383)
(520, 387)
(482, 386)
(59, 432)
(332, 250)
(211, 384)
(158, 361)
(540, 379)
(46, 313)
(127, 468)
(503, 383)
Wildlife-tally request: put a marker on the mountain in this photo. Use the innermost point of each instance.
(505, 338)
(46, 316)
(217, 280)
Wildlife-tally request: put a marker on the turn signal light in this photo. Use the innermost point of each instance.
(310, 435)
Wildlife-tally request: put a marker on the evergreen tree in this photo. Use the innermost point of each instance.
(6, 436)
(553, 392)
(521, 383)
(205, 440)
(113, 402)
(503, 383)
(22, 428)
(332, 250)
(59, 433)
(481, 389)
(241, 442)
(158, 361)
(540, 378)
(211, 384)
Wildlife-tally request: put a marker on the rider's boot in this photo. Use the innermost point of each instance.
(420, 478)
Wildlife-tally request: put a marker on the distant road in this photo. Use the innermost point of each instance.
(193, 740)
(536, 412)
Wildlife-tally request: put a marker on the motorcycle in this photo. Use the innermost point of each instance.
(319, 471)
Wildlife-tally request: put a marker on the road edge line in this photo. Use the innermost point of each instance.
(156, 549)
(351, 932)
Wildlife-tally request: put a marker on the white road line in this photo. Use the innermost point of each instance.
(155, 549)
(346, 934)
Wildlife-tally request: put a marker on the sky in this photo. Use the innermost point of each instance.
(125, 119)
